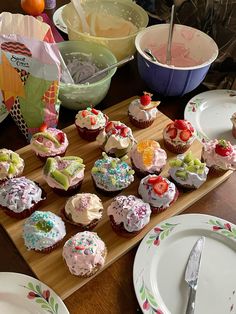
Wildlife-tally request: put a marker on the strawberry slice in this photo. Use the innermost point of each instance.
(43, 127)
(160, 187)
(95, 111)
(153, 180)
(181, 124)
(223, 148)
(185, 135)
(124, 132)
(109, 126)
(92, 120)
(84, 113)
(172, 132)
(61, 137)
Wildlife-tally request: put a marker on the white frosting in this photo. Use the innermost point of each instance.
(140, 114)
(148, 194)
(5, 165)
(84, 121)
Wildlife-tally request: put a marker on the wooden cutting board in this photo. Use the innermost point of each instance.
(50, 268)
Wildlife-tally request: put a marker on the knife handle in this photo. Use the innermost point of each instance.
(191, 301)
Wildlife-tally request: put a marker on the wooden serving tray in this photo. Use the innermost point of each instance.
(50, 268)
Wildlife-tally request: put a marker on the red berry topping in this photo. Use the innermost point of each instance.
(172, 132)
(145, 99)
(79, 247)
(223, 148)
(95, 111)
(84, 113)
(153, 180)
(160, 187)
(92, 120)
(124, 132)
(181, 124)
(61, 137)
(109, 126)
(43, 127)
(185, 135)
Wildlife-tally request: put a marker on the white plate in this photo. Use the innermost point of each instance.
(210, 114)
(161, 259)
(23, 294)
(58, 21)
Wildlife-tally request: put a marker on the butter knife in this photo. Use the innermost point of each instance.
(192, 272)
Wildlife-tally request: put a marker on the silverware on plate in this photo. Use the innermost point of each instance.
(192, 272)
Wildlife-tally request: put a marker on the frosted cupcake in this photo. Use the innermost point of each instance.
(89, 122)
(178, 136)
(43, 231)
(188, 172)
(158, 191)
(143, 111)
(233, 120)
(116, 139)
(219, 156)
(11, 164)
(85, 254)
(20, 197)
(64, 174)
(83, 210)
(148, 157)
(111, 175)
(49, 142)
(128, 215)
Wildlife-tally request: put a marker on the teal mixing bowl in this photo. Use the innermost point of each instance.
(80, 96)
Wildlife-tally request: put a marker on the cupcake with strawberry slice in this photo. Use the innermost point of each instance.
(89, 122)
(116, 139)
(158, 191)
(49, 142)
(178, 136)
(219, 156)
(143, 111)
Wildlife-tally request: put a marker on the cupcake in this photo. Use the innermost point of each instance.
(233, 120)
(188, 172)
(89, 123)
(128, 215)
(116, 139)
(83, 210)
(49, 142)
(148, 157)
(219, 156)
(111, 175)
(20, 197)
(11, 164)
(84, 254)
(43, 231)
(64, 174)
(178, 136)
(142, 111)
(158, 191)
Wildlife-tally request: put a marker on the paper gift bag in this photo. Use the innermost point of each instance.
(29, 72)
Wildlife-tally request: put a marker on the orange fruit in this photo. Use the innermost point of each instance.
(148, 155)
(142, 145)
(33, 7)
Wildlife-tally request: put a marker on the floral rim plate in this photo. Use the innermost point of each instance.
(161, 259)
(210, 114)
(23, 294)
(58, 21)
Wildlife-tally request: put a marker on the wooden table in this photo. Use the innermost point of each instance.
(112, 290)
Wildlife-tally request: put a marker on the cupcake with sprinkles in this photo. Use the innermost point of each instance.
(116, 139)
(11, 164)
(85, 254)
(158, 191)
(89, 122)
(43, 231)
(83, 210)
(111, 175)
(128, 215)
(64, 174)
(49, 142)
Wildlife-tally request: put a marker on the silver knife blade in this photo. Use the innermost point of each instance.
(193, 264)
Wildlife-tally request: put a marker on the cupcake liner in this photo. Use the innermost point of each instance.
(88, 135)
(140, 124)
(183, 187)
(49, 249)
(120, 230)
(117, 153)
(142, 174)
(177, 149)
(71, 191)
(215, 171)
(81, 227)
(156, 210)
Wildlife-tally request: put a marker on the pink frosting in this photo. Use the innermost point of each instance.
(84, 252)
(211, 158)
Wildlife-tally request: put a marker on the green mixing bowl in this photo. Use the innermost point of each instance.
(80, 96)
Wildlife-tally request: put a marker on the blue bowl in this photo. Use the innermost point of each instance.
(177, 79)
